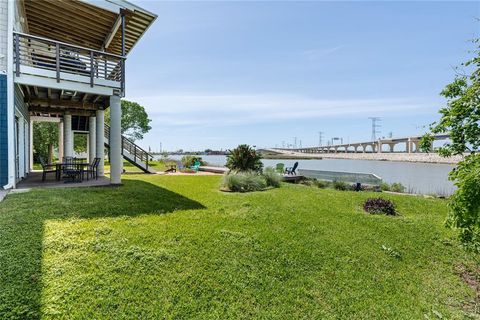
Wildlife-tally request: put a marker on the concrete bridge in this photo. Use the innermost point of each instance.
(411, 145)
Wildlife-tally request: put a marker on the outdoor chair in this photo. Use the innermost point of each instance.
(72, 170)
(91, 169)
(292, 170)
(280, 168)
(47, 168)
(196, 166)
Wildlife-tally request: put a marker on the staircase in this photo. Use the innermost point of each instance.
(132, 152)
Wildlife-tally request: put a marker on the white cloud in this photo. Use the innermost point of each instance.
(245, 109)
(317, 54)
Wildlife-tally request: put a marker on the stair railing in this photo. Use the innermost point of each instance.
(133, 149)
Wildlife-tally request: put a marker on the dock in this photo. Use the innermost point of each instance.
(220, 170)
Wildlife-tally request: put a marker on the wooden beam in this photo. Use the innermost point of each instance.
(51, 110)
(64, 103)
(85, 96)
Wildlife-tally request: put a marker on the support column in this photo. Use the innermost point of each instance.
(116, 163)
(409, 146)
(392, 147)
(100, 140)
(60, 141)
(379, 146)
(92, 137)
(67, 135)
(30, 143)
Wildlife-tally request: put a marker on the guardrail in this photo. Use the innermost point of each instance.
(60, 57)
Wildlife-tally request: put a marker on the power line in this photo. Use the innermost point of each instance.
(375, 126)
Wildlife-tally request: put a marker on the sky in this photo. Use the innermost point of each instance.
(221, 73)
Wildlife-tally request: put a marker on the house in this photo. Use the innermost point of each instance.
(64, 61)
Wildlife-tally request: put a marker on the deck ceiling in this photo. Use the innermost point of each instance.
(47, 102)
(83, 24)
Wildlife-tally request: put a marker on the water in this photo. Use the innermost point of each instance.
(424, 178)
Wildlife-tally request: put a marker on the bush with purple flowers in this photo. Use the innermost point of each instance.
(380, 206)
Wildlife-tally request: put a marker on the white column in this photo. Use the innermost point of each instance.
(100, 140)
(67, 135)
(409, 146)
(92, 144)
(116, 163)
(60, 141)
(30, 142)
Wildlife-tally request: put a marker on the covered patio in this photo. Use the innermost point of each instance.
(34, 180)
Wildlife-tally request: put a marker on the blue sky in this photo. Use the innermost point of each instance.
(217, 74)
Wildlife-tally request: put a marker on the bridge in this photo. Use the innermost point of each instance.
(411, 145)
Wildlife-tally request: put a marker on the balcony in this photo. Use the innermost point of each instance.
(43, 62)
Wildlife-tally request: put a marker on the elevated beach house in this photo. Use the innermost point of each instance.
(64, 61)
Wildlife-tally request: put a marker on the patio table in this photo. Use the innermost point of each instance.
(78, 166)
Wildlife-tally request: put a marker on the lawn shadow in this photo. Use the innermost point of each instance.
(22, 218)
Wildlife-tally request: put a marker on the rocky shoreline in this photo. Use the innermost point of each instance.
(401, 157)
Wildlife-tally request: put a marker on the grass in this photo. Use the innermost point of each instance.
(176, 247)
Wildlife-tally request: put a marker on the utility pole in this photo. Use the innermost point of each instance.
(375, 126)
(300, 143)
(295, 142)
(320, 136)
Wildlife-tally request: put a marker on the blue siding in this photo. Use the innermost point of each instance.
(3, 131)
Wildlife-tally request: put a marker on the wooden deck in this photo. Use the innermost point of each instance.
(220, 170)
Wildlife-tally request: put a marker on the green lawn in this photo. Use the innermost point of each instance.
(176, 247)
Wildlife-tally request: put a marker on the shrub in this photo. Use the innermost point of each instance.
(379, 206)
(189, 161)
(385, 186)
(272, 178)
(322, 184)
(243, 181)
(244, 158)
(340, 185)
(397, 187)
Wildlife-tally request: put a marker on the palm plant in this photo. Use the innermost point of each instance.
(244, 158)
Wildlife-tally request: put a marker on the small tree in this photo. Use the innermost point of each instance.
(461, 119)
(45, 139)
(244, 158)
(135, 122)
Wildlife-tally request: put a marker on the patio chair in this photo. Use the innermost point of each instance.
(196, 166)
(280, 167)
(72, 170)
(47, 168)
(292, 170)
(91, 170)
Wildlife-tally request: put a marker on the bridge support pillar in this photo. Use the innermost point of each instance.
(392, 147)
(100, 141)
(379, 146)
(409, 146)
(116, 163)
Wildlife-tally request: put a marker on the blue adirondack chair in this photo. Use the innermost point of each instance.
(196, 166)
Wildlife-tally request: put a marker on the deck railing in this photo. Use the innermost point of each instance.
(62, 57)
